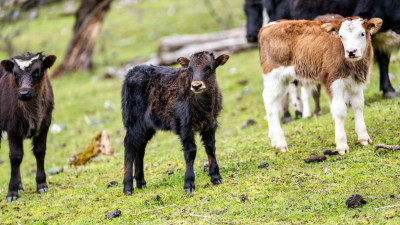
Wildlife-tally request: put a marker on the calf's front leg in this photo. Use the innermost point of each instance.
(39, 150)
(339, 111)
(189, 149)
(208, 138)
(16, 155)
(357, 102)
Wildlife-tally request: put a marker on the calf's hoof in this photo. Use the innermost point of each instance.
(189, 190)
(141, 184)
(42, 188)
(365, 142)
(128, 190)
(390, 94)
(216, 180)
(282, 148)
(343, 151)
(286, 119)
(20, 188)
(12, 196)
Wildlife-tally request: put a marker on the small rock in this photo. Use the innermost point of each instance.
(243, 82)
(112, 183)
(244, 198)
(355, 200)
(57, 128)
(109, 106)
(156, 198)
(330, 152)
(233, 70)
(249, 122)
(207, 185)
(170, 172)
(391, 196)
(1, 161)
(392, 77)
(263, 165)
(54, 171)
(246, 90)
(112, 215)
(317, 158)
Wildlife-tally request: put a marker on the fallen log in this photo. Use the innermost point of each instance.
(173, 47)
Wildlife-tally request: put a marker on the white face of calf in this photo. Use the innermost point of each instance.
(354, 34)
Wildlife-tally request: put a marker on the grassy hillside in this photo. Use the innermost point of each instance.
(289, 191)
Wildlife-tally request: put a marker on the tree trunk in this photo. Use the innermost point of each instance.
(89, 19)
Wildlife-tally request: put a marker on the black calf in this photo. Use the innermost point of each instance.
(26, 105)
(185, 100)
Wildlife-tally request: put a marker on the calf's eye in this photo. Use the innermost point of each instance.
(362, 34)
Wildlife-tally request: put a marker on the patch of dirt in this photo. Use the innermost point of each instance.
(330, 152)
(113, 214)
(316, 158)
(243, 198)
(249, 122)
(112, 183)
(243, 82)
(206, 169)
(263, 165)
(355, 200)
(54, 171)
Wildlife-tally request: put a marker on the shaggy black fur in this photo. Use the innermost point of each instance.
(26, 105)
(166, 98)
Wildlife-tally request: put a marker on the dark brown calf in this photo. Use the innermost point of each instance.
(26, 105)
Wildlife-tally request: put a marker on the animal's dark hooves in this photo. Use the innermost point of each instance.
(189, 190)
(390, 94)
(128, 193)
(217, 181)
(286, 119)
(252, 38)
(20, 190)
(12, 197)
(42, 190)
(142, 185)
(298, 114)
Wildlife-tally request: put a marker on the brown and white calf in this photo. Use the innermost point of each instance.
(338, 55)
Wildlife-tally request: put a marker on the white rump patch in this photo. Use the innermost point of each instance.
(25, 63)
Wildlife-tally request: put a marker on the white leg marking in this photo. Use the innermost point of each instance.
(339, 111)
(275, 87)
(305, 97)
(357, 102)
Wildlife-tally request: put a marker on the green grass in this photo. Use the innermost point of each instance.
(288, 192)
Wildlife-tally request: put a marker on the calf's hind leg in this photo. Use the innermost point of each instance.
(275, 87)
(208, 138)
(39, 150)
(16, 155)
(132, 142)
(139, 176)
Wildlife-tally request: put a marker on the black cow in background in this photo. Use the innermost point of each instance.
(387, 10)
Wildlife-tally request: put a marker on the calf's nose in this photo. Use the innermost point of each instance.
(196, 85)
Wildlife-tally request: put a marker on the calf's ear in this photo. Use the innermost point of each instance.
(183, 61)
(373, 25)
(7, 65)
(49, 61)
(330, 28)
(221, 60)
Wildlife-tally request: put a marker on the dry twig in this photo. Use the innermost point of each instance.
(390, 147)
(384, 207)
(155, 210)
